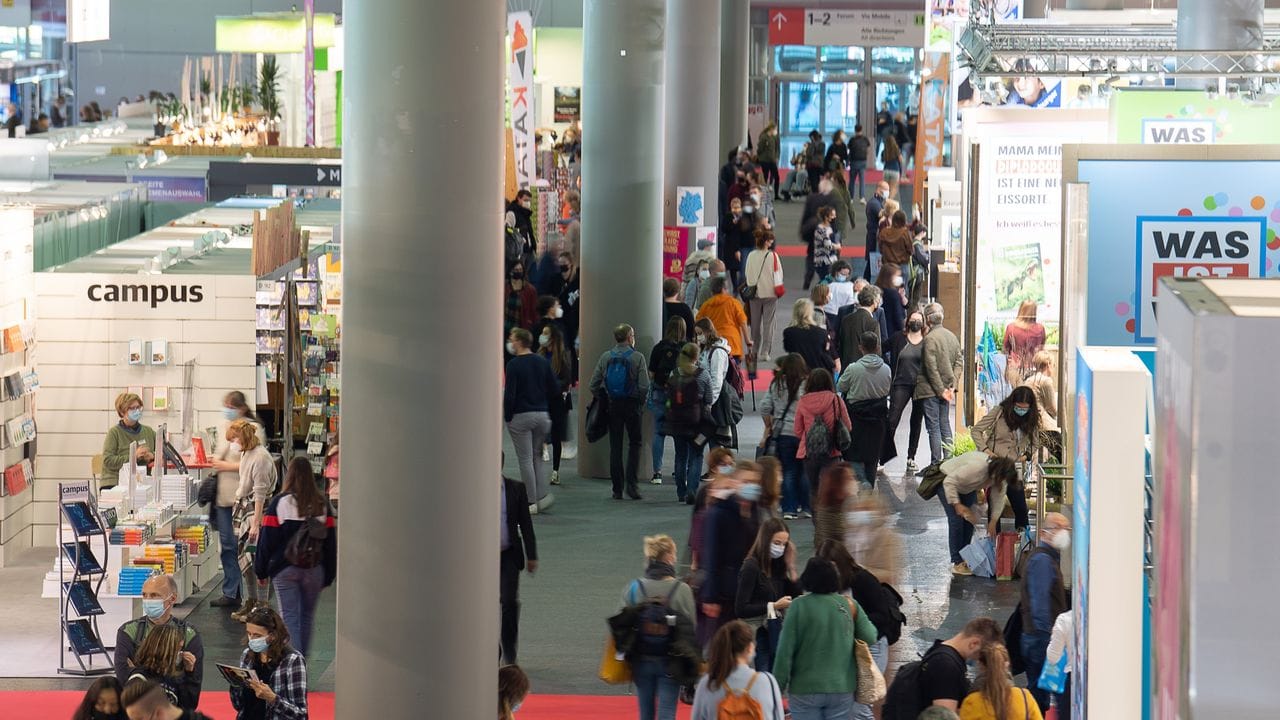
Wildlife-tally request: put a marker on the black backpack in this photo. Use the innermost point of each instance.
(897, 618)
(664, 363)
(905, 700)
(684, 400)
(306, 548)
(653, 632)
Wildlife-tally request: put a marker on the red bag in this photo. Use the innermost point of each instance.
(1006, 550)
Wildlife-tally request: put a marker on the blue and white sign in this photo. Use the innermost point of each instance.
(690, 206)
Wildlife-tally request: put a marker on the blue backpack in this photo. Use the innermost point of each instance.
(618, 382)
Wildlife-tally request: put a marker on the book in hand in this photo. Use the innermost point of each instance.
(82, 597)
(82, 519)
(87, 563)
(236, 675)
(82, 638)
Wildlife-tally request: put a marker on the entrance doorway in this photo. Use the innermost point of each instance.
(806, 106)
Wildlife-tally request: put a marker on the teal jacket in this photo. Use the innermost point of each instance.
(815, 652)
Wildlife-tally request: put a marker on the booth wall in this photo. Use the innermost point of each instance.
(16, 295)
(557, 62)
(1173, 117)
(170, 33)
(83, 365)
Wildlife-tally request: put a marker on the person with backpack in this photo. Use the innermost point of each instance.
(940, 677)
(298, 549)
(767, 583)
(659, 601)
(995, 697)
(258, 477)
(733, 689)
(622, 375)
(964, 476)
(815, 153)
(822, 424)
(726, 385)
(816, 663)
(662, 362)
(688, 397)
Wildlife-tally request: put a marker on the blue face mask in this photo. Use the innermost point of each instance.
(135, 415)
(154, 609)
(750, 492)
(1021, 411)
(258, 644)
(231, 413)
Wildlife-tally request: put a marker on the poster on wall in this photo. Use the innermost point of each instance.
(567, 105)
(675, 248)
(690, 206)
(1222, 222)
(1183, 117)
(1019, 222)
(520, 82)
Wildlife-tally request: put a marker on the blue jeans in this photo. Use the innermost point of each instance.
(228, 554)
(658, 407)
(688, 466)
(298, 591)
(937, 420)
(795, 489)
(822, 706)
(879, 653)
(656, 690)
(856, 170)
(959, 531)
(1035, 646)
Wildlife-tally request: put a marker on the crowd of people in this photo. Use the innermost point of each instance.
(855, 353)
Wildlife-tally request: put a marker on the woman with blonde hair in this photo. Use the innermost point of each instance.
(1023, 338)
(806, 338)
(161, 658)
(656, 689)
(995, 697)
(129, 430)
(226, 462)
(257, 484)
(1045, 387)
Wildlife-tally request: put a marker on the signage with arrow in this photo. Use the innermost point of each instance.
(786, 26)
(817, 26)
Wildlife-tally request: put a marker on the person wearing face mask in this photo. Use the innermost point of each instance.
(513, 688)
(867, 537)
(280, 692)
(1012, 430)
(715, 270)
(550, 314)
(905, 358)
(551, 347)
(101, 701)
(730, 529)
(115, 448)
(226, 462)
(528, 392)
(841, 289)
(257, 481)
(159, 595)
(736, 230)
(764, 272)
(874, 207)
(1044, 598)
(826, 244)
(732, 669)
(521, 301)
(522, 207)
(893, 297)
(622, 374)
(766, 584)
(569, 295)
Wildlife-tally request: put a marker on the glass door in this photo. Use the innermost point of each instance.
(808, 106)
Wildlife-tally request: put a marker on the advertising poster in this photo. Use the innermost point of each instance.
(520, 81)
(1220, 221)
(1080, 535)
(1019, 222)
(690, 206)
(933, 115)
(675, 248)
(568, 103)
(1185, 117)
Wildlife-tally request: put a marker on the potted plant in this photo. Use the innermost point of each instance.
(269, 96)
(244, 98)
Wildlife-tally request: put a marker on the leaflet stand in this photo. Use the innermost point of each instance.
(80, 634)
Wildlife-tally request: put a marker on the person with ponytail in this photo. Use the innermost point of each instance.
(994, 696)
(513, 688)
(730, 672)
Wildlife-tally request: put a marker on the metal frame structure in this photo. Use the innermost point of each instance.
(1105, 51)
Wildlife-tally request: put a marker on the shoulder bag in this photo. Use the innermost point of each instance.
(748, 292)
(840, 433)
(770, 447)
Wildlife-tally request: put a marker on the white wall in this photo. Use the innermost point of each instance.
(558, 61)
(83, 366)
(16, 304)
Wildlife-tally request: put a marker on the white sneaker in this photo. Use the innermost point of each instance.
(911, 467)
(555, 477)
(569, 451)
(657, 479)
(533, 508)
(546, 453)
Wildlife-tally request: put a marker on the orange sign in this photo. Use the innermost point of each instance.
(933, 116)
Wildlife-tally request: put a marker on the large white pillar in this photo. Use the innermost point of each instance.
(692, 77)
(735, 65)
(421, 426)
(622, 130)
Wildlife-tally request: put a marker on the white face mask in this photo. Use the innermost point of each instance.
(777, 550)
(560, 311)
(726, 469)
(897, 281)
(236, 446)
(1062, 540)
(704, 274)
(511, 348)
(544, 340)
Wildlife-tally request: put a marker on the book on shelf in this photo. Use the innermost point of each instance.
(82, 597)
(14, 481)
(82, 637)
(13, 340)
(81, 517)
(21, 429)
(82, 558)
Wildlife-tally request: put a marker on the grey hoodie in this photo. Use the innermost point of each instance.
(867, 379)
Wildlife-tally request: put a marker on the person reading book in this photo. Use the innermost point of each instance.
(280, 693)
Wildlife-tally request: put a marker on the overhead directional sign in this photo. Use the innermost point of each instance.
(819, 26)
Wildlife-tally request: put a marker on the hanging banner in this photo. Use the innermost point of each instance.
(933, 116)
(818, 26)
(520, 79)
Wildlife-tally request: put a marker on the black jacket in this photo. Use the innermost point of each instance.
(684, 663)
(519, 523)
(756, 590)
(852, 327)
(811, 344)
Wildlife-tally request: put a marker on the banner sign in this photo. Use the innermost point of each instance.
(568, 104)
(818, 26)
(1163, 131)
(1223, 222)
(933, 116)
(675, 248)
(1176, 246)
(520, 79)
(173, 189)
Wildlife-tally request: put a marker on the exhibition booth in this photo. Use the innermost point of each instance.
(215, 301)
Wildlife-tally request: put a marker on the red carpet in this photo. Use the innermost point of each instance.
(848, 251)
(217, 705)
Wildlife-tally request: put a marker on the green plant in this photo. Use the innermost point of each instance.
(960, 444)
(245, 95)
(206, 87)
(1053, 487)
(269, 89)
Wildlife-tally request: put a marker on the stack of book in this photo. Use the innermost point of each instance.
(131, 533)
(176, 489)
(172, 555)
(196, 537)
(154, 512)
(131, 580)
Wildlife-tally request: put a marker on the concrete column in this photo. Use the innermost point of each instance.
(692, 75)
(622, 130)
(1218, 25)
(417, 609)
(735, 66)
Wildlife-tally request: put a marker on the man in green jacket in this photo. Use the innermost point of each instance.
(936, 385)
(815, 663)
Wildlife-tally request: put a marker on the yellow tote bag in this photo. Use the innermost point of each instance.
(613, 670)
